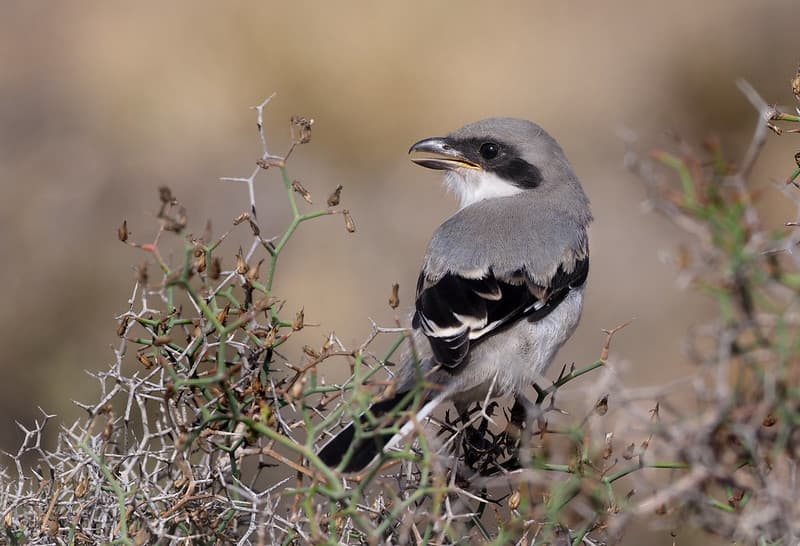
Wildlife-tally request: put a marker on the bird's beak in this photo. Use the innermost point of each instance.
(438, 153)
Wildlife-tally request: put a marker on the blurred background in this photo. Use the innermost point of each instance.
(101, 105)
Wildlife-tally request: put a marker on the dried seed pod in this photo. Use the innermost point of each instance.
(629, 452)
(145, 360)
(241, 265)
(299, 320)
(394, 299)
(241, 218)
(108, 430)
(349, 225)
(601, 408)
(200, 261)
(265, 303)
(269, 339)
(301, 129)
(310, 351)
(123, 326)
(514, 499)
(215, 270)
(304, 193)
(335, 197)
(736, 498)
(608, 448)
(252, 274)
(222, 317)
(122, 231)
(165, 194)
(329, 342)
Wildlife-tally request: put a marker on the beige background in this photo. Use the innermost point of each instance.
(100, 104)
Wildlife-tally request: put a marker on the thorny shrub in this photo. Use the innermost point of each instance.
(211, 437)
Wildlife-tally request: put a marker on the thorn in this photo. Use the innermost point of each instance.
(304, 193)
(241, 265)
(122, 232)
(609, 336)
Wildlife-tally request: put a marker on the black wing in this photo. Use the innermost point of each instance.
(455, 312)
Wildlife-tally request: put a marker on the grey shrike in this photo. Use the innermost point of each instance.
(501, 286)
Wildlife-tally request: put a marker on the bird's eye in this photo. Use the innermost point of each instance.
(489, 150)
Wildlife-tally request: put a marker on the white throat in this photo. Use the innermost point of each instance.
(472, 185)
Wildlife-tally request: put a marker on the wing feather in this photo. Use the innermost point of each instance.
(455, 312)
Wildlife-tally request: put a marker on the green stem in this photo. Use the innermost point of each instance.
(794, 175)
(201, 303)
(583, 532)
(782, 116)
(569, 377)
(287, 182)
(623, 473)
(119, 491)
(306, 452)
(296, 221)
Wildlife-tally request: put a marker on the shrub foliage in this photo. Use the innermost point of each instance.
(203, 433)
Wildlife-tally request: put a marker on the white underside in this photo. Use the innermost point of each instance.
(509, 362)
(518, 355)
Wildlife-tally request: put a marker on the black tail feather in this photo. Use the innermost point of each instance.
(363, 451)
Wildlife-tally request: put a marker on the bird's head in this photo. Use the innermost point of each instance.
(498, 157)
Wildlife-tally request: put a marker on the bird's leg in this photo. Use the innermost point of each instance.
(474, 438)
(541, 394)
(520, 427)
(463, 413)
(518, 413)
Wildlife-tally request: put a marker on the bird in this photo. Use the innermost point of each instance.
(502, 282)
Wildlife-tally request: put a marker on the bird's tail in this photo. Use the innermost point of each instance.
(364, 450)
